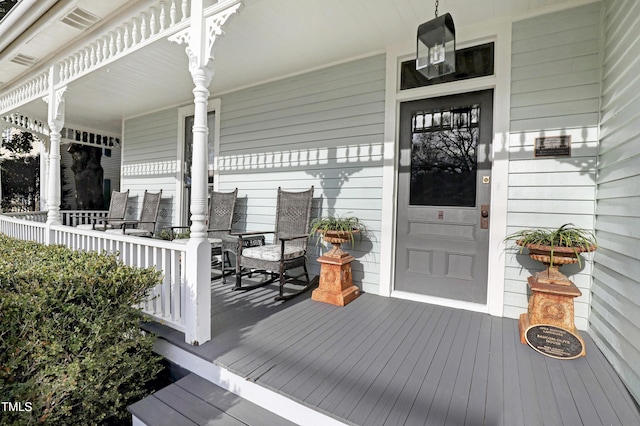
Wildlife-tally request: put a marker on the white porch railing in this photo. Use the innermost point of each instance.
(166, 303)
(80, 217)
(30, 216)
(27, 226)
(69, 217)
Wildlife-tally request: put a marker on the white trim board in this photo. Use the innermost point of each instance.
(183, 112)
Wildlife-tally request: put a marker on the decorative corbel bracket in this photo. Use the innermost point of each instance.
(213, 25)
(55, 117)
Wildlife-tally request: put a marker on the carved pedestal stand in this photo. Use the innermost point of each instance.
(551, 301)
(336, 283)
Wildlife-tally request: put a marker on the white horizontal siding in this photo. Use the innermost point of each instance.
(555, 70)
(615, 311)
(555, 90)
(150, 162)
(324, 128)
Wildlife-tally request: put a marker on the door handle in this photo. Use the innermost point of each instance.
(484, 216)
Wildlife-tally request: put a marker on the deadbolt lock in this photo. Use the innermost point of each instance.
(486, 179)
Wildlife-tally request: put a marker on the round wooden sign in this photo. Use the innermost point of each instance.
(554, 342)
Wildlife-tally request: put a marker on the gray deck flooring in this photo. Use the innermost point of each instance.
(193, 401)
(385, 361)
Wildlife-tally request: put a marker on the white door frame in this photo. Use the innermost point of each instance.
(185, 111)
(500, 33)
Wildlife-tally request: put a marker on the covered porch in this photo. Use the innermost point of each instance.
(308, 93)
(378, 360)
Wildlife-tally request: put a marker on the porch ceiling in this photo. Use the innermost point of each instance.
(266, 40)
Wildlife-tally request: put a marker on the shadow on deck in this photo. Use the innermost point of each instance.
(385, 361)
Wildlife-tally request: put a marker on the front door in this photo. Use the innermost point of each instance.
(443, 196)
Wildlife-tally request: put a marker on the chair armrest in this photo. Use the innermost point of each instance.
(128, 224)
(219, 230)
(288, 238)
(242, 234)
(106, 219)
(293, 237)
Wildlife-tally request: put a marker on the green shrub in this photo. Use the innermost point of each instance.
(70, 342)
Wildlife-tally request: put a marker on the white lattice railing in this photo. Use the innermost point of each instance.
(160, 19)
(145, 27)
(166, 303)
(25, 123)
(34, 88)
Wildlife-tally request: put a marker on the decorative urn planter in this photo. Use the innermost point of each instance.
(553, 258)
(548, 325)
(337, 238)
(336, 282)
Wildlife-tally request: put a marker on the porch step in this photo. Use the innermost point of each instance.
(193, 400)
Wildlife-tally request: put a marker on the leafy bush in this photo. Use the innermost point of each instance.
(70, 342)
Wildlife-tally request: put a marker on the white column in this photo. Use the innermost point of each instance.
(198, 208)
(200, 38)
(198, 315)
(44, 173)
(55, 119)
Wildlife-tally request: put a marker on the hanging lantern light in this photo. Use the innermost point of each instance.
(436, 46)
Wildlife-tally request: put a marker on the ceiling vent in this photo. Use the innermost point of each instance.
(24, 60)
(79, 18)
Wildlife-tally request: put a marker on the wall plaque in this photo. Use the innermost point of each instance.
(553, 146)
(554, 342)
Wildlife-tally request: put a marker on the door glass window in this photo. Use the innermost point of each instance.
(188, 147)
(443, 157)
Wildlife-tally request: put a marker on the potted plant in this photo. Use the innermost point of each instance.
(336, 230)
(336, 282)
(555, 247)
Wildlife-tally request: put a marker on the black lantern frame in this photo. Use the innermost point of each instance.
(436, 47)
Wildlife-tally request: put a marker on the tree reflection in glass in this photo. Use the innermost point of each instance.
(443, 157)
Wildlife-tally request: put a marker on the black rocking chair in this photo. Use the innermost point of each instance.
(222, 207)
(115, 216)
(146, 225)
(289, 248)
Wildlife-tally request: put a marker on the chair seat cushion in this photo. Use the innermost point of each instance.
(271, 253)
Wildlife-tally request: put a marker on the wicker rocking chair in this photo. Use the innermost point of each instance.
(146, 226)
(115, 215)
(289, 250)
(222, 207)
